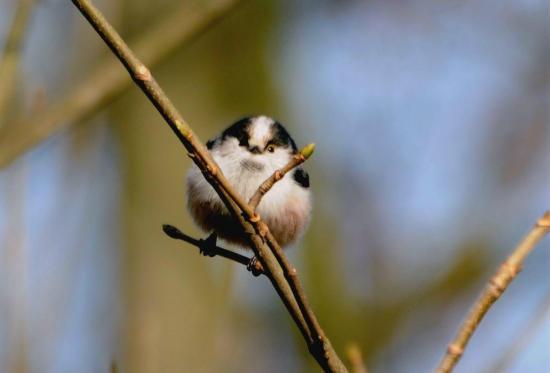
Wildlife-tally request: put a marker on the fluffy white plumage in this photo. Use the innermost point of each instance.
(285, 208)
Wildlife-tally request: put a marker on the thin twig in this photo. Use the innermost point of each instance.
(175, 233)
(107, 81)
(497, 285)
(296, 160)
(321, 343)
(249, 221)
(12, 53)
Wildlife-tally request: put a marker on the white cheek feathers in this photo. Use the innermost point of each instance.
(286, 208)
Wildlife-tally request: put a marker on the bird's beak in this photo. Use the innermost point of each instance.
(254, 150)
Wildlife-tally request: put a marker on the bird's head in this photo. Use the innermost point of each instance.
(255, 142)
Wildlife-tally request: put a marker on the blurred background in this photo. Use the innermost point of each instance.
(433, 160)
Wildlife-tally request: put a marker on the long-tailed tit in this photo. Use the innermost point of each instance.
(248, 152)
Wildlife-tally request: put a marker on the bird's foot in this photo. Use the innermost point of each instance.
(208, 246)
(255, 267)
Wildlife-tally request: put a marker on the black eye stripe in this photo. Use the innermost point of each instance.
(243, 141)
(280, 138)
(277, 143)
(239, 131)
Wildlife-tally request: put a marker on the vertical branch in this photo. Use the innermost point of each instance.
(14, 255)
(497, 285)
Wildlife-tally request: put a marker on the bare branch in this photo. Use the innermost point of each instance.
(107, 81)
(296, 160)
(497, 285)
(284, 279)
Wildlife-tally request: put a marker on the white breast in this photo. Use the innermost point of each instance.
(286, 203)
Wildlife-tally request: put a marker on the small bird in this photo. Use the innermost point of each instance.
(248, 152)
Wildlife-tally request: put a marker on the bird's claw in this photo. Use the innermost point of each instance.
(208, 245)
(255, 267)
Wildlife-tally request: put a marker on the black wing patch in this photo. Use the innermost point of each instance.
(238, 130)
(281, 137)
(301, 177)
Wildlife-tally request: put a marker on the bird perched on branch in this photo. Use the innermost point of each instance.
(248, 152)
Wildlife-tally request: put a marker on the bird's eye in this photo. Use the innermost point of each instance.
(271, 148)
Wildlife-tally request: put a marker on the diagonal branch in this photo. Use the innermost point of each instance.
(107, 81)
(296, 160)
(282, 276)
(497, 285)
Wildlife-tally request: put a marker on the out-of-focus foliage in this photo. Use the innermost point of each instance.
(432, 161)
